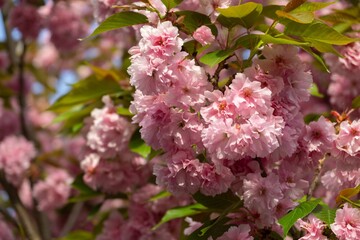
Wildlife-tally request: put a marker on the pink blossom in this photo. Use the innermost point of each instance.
(160, 42)
(112, 228)
(9, 122)
(241, 232)
(113, 176)
(109, 133)
(26, 18)
(54, 191)
(4, 61)
(193, 226)
(215, 179)
(182, 175)
(320, 135)
(348, 139)
(204, 35)
(66, 27)
(5, 231)
(16, 154)
(262, 194)
(347, 223)
(351, 59)
(313, 227)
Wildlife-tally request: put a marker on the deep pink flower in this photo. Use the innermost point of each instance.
(26, 18)
(262, 193)
(320, 135)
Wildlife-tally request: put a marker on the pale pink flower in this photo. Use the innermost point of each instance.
(215, 179)
(241, 232)
(347, 223)
(114, 176)
(54, 191)
(262, 193)
(16, 154)
(320, 135)
(193, 226)
(313, 227)
(351, 59)
(109, 133)
(348, 139)
(204, 35)
(182, 175)
(160, 42)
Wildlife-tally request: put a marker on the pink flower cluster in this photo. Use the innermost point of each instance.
(347, 223)
(5, 231)
(54, 191)
(16, 154)
(344, 85)
(142, 215)
(66, 27)
(109, 165)
(9, 122)
(27, 20)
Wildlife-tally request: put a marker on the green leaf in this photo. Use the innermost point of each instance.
(311, 117)
(84, 197)
(356, 102)
(300, 17)
(221, 201)
(245, 14)
(324, 213)
(312, 6)
(247, 41)
(212, 228)
(194, 20)
(124, 111)
(277, 40)
(302, 210)
(216, 57)
(293, 4)
(354, 204)
(317, 31)
(180, 212)
(325, 48)
(171, 3)
(85, 192)
(160, 195)
(81, 186)
(314, 91)
(240, 11)
(87, 89)
(137, 145)
(79, 234)
(270, 11)
(318, 58)
(119, 20)
(347, 193)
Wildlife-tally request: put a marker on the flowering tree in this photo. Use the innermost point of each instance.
(216, 119)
